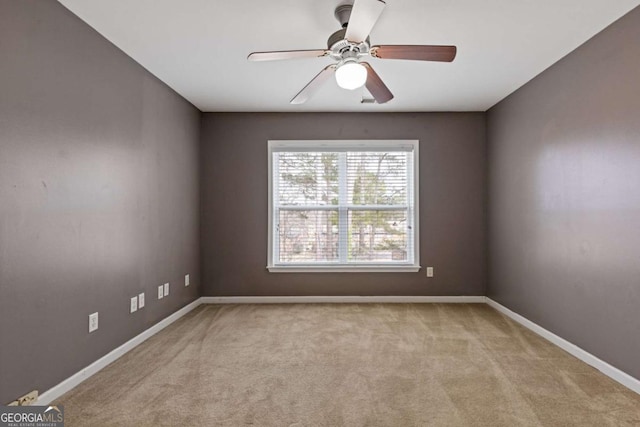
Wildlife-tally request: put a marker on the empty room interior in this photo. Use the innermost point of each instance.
(320, 213)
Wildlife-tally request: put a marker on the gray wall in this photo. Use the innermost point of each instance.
(564, 197)
(98, 195)
(234, 202)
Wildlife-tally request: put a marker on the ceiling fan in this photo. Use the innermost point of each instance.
(349, 45)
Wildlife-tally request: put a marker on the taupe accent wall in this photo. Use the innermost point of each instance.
(234, 198)
(564, 197)
(98, 195)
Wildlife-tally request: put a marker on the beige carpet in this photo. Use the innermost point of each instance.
(349, 365)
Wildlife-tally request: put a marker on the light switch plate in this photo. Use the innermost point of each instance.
(134, 305)
(166, 289)
(141, 300)
(93, 322)
(186, 280)
(429, 271)
(160, 292)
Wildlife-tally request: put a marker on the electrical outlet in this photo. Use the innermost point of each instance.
(141, 300)
(166, 289)
(134, 304)
(429, 271)
(186, 280)
(93, 322)
(160, 292)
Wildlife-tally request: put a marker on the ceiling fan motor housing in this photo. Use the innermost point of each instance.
(337, 40)
(340, 47)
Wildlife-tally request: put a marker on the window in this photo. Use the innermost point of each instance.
(343, 206)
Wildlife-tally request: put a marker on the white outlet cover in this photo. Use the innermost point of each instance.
(141, 300)
(134, 305)
(93, 322)
(186, 280)
(429, 271)
(166, 289)
(160, 292)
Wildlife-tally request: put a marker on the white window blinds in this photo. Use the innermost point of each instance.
(343, 203)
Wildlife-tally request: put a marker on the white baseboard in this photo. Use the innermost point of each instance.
(610, 371)
(343, 299)
(71, 382)
(66, 385)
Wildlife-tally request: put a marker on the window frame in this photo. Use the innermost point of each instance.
(337, 146)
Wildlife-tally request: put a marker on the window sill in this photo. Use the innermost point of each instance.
(343, 268)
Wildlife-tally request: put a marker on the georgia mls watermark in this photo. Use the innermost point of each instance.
(31, 416)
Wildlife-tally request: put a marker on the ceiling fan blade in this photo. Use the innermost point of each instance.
(287, 54)
(415, 52)
(364, 15)
(376, 86)
(311, 87)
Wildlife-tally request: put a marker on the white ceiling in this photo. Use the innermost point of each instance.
(199, 47)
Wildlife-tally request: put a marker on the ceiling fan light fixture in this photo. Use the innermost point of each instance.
(351, 75)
